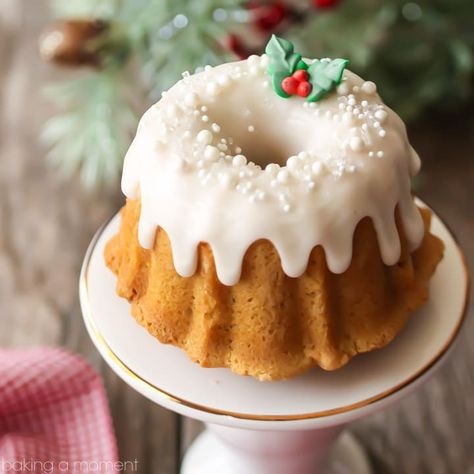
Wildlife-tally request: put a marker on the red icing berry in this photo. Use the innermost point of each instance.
(290, 85)
(304, 88)
(301, 75)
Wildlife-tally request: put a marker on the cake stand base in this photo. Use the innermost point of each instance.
(222, 450)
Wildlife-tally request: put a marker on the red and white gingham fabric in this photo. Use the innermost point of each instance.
(54, 415)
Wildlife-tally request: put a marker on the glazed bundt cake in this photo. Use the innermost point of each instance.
(269, 225)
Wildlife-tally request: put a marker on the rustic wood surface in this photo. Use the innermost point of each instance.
(46, 224)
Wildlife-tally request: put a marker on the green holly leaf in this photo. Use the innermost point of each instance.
(282, 57)
(324, 76)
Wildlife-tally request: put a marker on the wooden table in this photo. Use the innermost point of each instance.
(46, 224)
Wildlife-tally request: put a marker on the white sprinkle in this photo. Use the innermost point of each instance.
(187, 134)
(364, 127)
(356, 89)
(266, 84)
(212, 89)
(211, 153)
(204, 108)
(238, 150)
(223, 80)
(347, 117)
(215, 128)
(381, 115)
(303, 155)
(273, 183)
(371, 154)
(207, 68)
(253, 60)
(272, 168)
(317, 168)
(382, 133)
(380, 154)
(351, 102)
(356, 144)
(343, 89)
(293, 163)
(369, 87)
(253, 71)
(205, 118)
(239, 160)
(205, 137)
(222, 147)
(364, 104)
(251, 128)
(227, 180)
(376, 124)
(287, 208)
(261, 195)
(283, 176)
(264, 61)
(191, 99)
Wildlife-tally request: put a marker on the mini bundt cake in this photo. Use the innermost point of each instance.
(269, 225)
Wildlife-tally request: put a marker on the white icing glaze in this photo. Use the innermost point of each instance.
(222, 159)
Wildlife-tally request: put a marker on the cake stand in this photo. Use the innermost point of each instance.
(286, 427)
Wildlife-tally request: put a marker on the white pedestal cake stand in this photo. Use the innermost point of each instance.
(284, 427)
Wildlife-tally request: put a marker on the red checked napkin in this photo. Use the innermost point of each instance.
(54, 415)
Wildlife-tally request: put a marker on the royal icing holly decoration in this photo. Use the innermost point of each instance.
(291, 75)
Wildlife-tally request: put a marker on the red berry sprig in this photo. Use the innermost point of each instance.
(297, 83)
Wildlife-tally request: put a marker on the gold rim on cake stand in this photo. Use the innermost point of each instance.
(100, 340)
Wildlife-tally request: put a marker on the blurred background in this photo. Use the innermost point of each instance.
(75, 76)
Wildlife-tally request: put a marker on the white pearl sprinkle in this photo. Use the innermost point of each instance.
(369, 87)
(283, 176)
(212, 89)
(343, 89)
(371, 154)
(356, 144)
(223, 80)
(287, 208)
(253, 60)
(238, 150)
(211, 153)
(264, 61)
(207, 68)
(272, 168)
(251, 128)
(347, 117)
(239, 160)
(191, 99)
(293, 163)
(356, 89)
(205, 118)
(227, 180)
(380, 154)
(317, 168)
(205, 137)
(382, 133)
(381, 115)
(215, 128)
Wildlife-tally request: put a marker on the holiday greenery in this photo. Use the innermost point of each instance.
(291, 75)
(421, 54)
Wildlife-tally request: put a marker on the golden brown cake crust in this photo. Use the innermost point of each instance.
(269, 325)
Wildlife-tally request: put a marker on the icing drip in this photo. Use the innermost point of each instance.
(222, 159)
